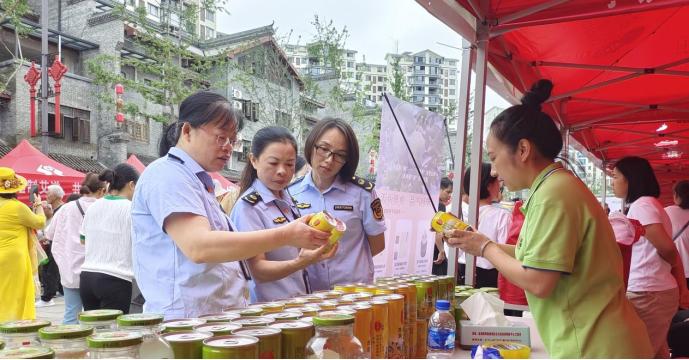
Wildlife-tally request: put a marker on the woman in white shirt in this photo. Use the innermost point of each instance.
(655, 266)
(106, 275)
(493, 221)
(679, 216)
(67, 249)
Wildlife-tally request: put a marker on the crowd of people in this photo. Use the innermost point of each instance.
(173, 240)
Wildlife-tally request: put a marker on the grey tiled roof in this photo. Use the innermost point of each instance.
(78, 163)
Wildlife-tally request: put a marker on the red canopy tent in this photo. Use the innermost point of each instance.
(138, 165)
(620, 69)
(39, 169)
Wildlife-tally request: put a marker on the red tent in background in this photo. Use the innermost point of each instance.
(620, 70)
(39, 169)
(138, 165)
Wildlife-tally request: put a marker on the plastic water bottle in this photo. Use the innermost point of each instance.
(441, 332)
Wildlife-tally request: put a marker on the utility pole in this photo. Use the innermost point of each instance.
(44, 77)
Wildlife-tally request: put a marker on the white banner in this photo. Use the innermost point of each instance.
(408, 210)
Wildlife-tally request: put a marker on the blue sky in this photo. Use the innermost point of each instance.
(376, 27)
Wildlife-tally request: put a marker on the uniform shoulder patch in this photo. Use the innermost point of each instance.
(363, 183)
(252, 198)
(377, 208)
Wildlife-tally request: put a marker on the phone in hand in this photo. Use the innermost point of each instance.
(33, 193)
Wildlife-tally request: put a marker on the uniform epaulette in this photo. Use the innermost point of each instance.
(363, 183)
(252, 198)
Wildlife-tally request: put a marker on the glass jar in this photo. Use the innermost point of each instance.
(334, 338)
(114, 344)
(28, 352)
(149, 326)
(20, 333)
(68, 341)
(104, 320)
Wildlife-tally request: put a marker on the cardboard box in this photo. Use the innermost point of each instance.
(471, 334)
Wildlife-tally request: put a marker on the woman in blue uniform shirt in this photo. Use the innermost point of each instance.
(332, 150)
(264, 203)
(185, 250)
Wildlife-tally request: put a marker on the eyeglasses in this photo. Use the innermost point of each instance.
(221, 140)
(326, 153)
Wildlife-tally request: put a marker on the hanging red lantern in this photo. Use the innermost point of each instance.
(119, 117)
(119, 89)
(32, 76)
(57, 71)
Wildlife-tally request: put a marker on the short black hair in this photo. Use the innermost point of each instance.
(349, 168)
(486, 180)
(263, 138)
(198, 109)
(445, 183)
(119, 176)
(527, 121)
(681, 190)
(640, 177)
(299, 164)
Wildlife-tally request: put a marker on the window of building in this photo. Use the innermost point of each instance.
(418, 59)
(298, 60)
(254, 111)
(422, 68)
(453, 82)
(210, 15)
(282, 119)
(452, 92)
(210, 34)
(246, 149)
(380, 88)
(153, 10)
(368, 77)
(202, 33)
(138, 129)
(131, 2)
(148, 82)
(75, 123)
(350, 64)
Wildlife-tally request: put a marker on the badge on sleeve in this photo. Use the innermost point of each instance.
(279, 220)
(377, 208)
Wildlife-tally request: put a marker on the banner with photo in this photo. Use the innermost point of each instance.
(408, 210)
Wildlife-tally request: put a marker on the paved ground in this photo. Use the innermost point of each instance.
(54, 313)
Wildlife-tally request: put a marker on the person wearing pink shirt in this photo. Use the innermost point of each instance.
(67, 248)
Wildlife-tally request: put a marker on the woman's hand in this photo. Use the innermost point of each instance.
(470, 242)
(441, 258)
(324, 252)
(301, 235)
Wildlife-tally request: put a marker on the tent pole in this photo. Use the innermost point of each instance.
(530, 11)
(461, 136)
(482, 36)
(605, 185)
(44, 77)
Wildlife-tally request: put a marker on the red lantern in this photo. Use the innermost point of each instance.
(57, 71)
(119, 117)
(119, 89)
(32, 76)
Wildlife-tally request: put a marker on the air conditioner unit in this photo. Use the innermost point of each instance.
(237, 105)
(237, 94)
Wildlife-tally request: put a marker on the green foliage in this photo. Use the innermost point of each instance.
(398, 85)
(171, 70)
(327, 45)
(12, 11)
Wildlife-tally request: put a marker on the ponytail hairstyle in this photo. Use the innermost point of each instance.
(119, 176)
(263, 138)
(91, 184)
(681, 190)
(198, 109)
(527, 121)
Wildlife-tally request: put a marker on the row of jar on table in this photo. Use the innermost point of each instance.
(389, 321)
